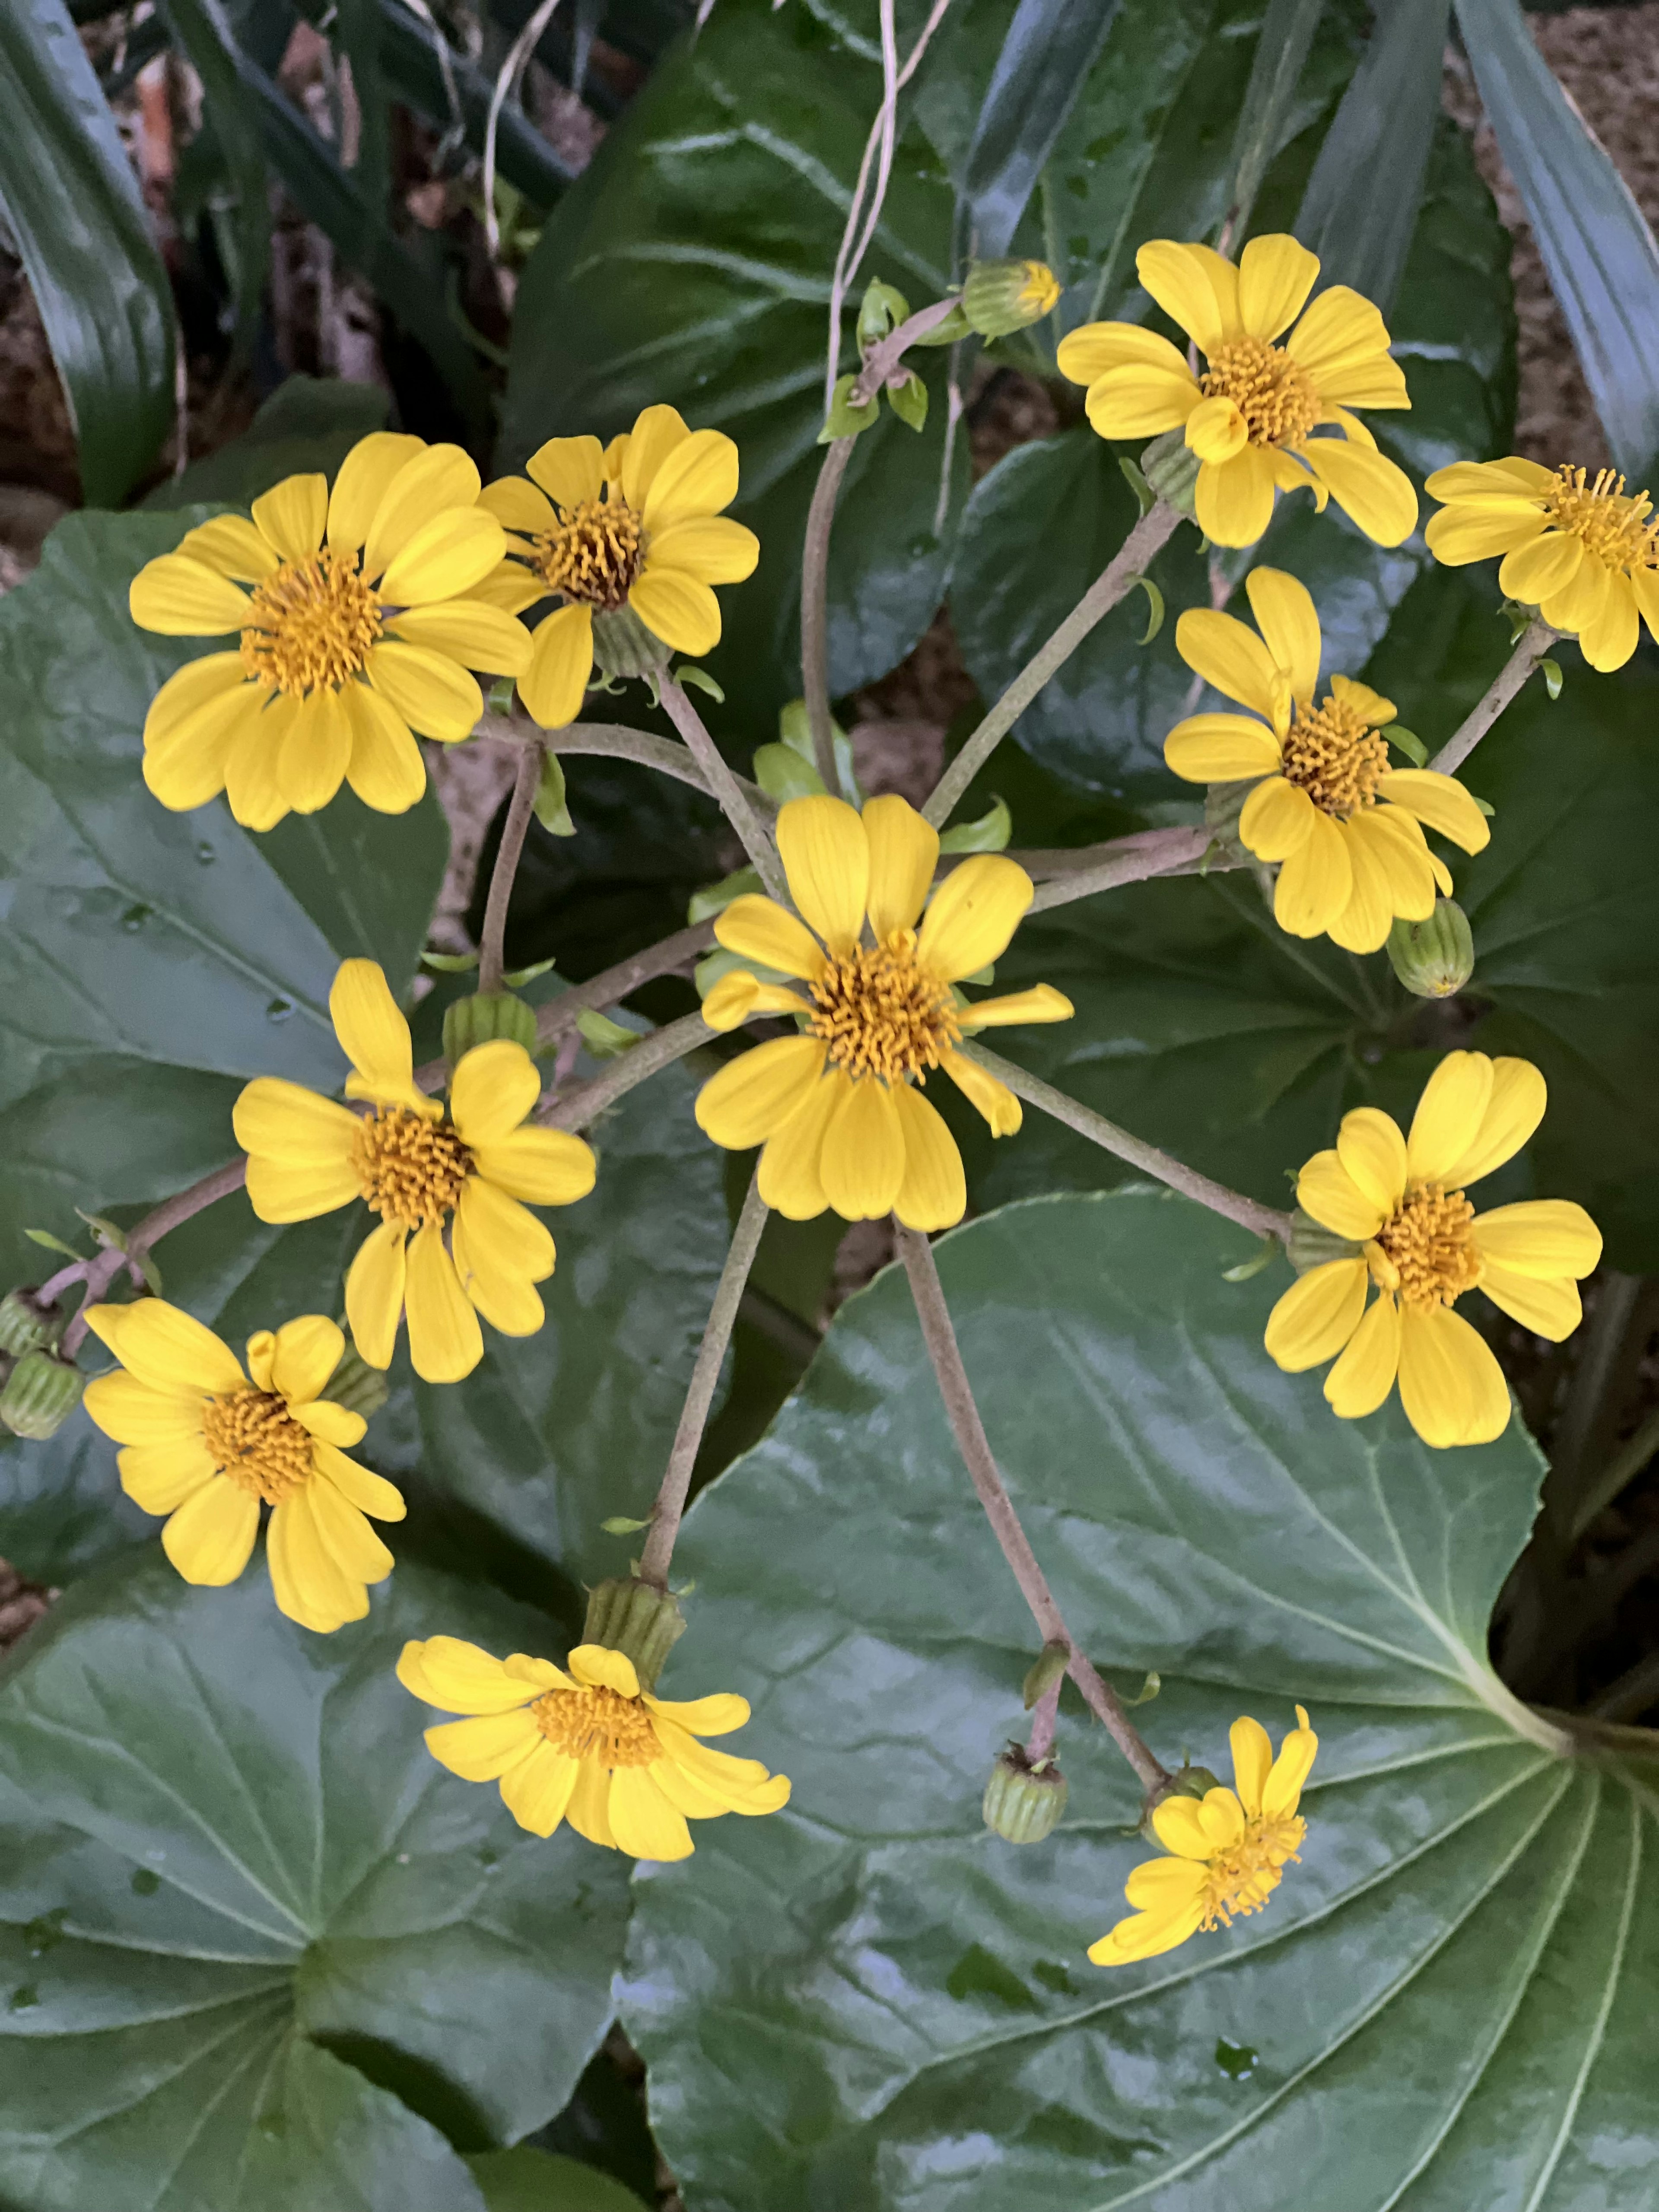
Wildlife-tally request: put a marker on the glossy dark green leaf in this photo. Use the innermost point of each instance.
(1045, 61)
(68, 194)
(226, 1845)
(529, 2180)
(1444, 2005)
(1600, 254)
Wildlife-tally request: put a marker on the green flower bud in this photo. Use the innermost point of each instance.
(1434, 958)
(1170, 466)
(1003, 296)
(624, 647)
(1310, 1244)
(626, 1614)
(41, 1392)
(358, 1386)
(482, 1018)
(1190, 1781)
(25, 1325)
(1023, 1802)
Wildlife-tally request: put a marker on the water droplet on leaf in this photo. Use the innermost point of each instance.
(1238, 2061)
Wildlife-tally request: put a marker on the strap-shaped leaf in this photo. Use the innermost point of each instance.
(1600, 254)
(1287, 30)
(69, 193)
(1047, 56)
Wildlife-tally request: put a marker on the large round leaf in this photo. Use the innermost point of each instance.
(1446, 2002)
(226, 1845)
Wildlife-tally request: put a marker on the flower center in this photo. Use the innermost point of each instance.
(257, 1442)
(1611, 525)
(594, 555)
(410, 1170)
(1273, 393)
(599, 1724)
(1428, 1246)
(1335, 756)
(881, 1012)
(313, 625)
(1242, 1880)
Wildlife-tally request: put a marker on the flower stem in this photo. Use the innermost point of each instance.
(508, 853)
(615, 741)
(670, 1508)
(1534, 647)
(99, 1273)
(637, 1065)
(1249, 1214)
(756, 839)
(1130, 860)
(815, 610)
(1113, 583)
(974, 1446)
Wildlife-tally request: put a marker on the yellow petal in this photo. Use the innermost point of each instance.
(1439, 800)
(760, 930)
(445, 1341)
(365, 475)
(904, 855)
(554, 681)
(158, 1477)
(675, 607)
(1370, 706)
(231, 544)
(709, 547)
(983, 1091)
(1282, 1792)
(1545, 564)
(501, 1252)
(189, 689)
(445, 558)
(1542, 1236)
(189, 766)
(167, 1349)
(1179, 1821)
(933, 1193)
(1230, 657)
(1645, 585)
(493, 1089)
(373, 1033)
(458, 1677)
(1140, 400)
(1338, 1200)
(826, 857)
(304, 1353)
(1316, 1316)
(329, 1423)
(483, 1749)
(175, 596)
(468, 631)
(698, 477)
(1234, 499)
(741, 1785)
(1510, 478)
(432, 694)
(972, 915)
(1195, 286)
(1253, 1758)
(656, 434)
(316, 750)
(1394, 839)
(1608, 640)
(1550, 1307)
(1340, 330)
(1580, 600)
(133, 1413)
(712, 1715)
(1449, 1115)
(1364, 923)
(1086, 353)
(738, 997)
(1452, 1389)
(1316, 882)
(788, 1178)
(1368, 487)
(1363, 1377)
(520, 506)
(537, 1789)
(568, 470)
(645, 1825)
(587, 1812)
(754, 1095)
(385, 770)
(292, 1124)
(250, 785)
(1216, 430)
(512, 587)
(1221, 749)
(429, 485)
(1276, 819)
(293, 515)
(685, 1795)
(1514, 1108)
(1145, 1936)
(346, 1535)
(1458, 535)
(1041, 1003)
(1372, 1151)
(210, 1538)
(545, 1167)
(374, 1293)
(1275, 276)
(280, 1193)
(369, 1493)
(862, 1162)
(597, 1667)
(1285, 615)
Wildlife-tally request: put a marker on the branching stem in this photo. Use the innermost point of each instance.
(1533, 646)
(815, 610)
(636, 1065)
(98, 1274)
(526, 784)
(756, 838)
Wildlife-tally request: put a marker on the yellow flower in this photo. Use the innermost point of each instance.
(636, 524)
(1350, 865)
(207, 1447)
(1248, 418)
(1400, 1202)
(308, 1154)
(589, 1746)
(1229, 1848)
(1586, 555)
(361, 627)
(839, 1109)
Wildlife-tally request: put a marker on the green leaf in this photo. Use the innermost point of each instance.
(990, 834)
(909, 401)
(1599, 253)
(1281, 53)
(844, 420)
(1049, 50)
(1460, 1969)
(308, 423)
(273, 1861)
(552, 810)
(526, 2179)
(68, 194)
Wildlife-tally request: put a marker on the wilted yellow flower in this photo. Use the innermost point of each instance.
(589, 1746)
(207, 1447)
(1585, 554)
(1346, 825)
(839, 1109)
(420, 1172)
(1229, 1848)
(1249, 415)
(636, 524)
(1418, 1239)
(361, 627)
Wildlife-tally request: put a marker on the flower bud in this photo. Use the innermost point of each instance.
(1023, 1802)
(624, 647)
(627, 1615)
(1170, 466)
(1434, 958)
(1310, 1244)
(355, 1385)
(41, 1392)
(1003, 296)
(25, 1325)
(482, 1018)
(1190, 1781)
